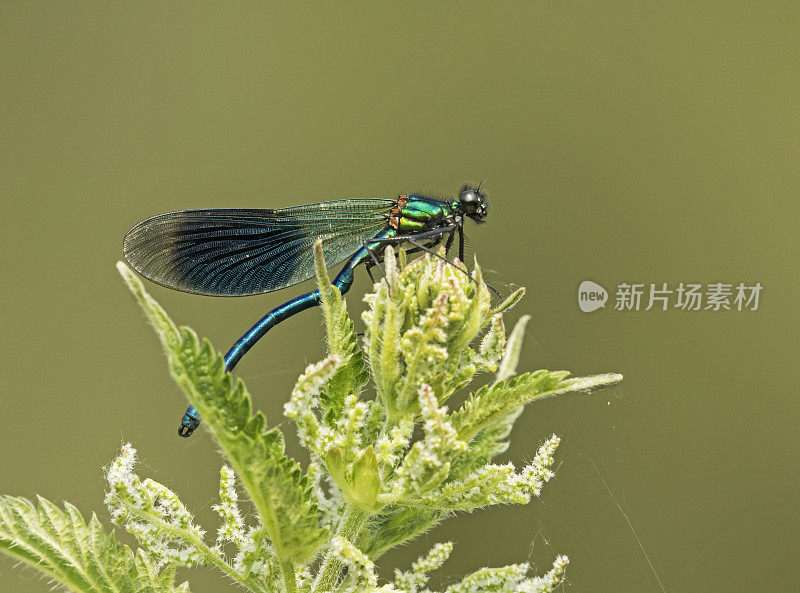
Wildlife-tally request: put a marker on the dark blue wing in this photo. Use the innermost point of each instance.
(244, 252)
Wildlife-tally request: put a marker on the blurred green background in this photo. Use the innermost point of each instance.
(620, 142)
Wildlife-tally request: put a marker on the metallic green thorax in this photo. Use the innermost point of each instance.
(414, 214)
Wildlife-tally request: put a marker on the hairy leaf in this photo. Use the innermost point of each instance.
(494, 401)
(83, 558)
(351, 375)
(276, 484)
(396, 525)
(509, 302)
(513, 347)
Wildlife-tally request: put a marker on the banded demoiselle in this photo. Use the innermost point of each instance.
(238, 252)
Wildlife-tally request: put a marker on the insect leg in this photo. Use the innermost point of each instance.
(368, 265)
(373, 262)
(449, 243)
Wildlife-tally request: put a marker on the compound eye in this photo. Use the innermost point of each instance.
(469, 201)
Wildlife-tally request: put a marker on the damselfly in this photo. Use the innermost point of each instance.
(230, 252)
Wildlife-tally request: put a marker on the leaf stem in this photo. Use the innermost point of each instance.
(289, 581)
(331, 568)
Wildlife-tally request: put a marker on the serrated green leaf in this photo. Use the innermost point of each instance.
(275, 483)
(352, 375)
(394, 526)
(509, 302)
(485, 446)
(508, 364)
(384, 324)
(494, 401)
(81, 557)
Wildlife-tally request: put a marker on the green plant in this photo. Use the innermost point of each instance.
(372, 484)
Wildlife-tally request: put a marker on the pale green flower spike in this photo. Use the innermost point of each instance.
(388, 461)
(361, 570)
(152, 513)
(412, 580)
